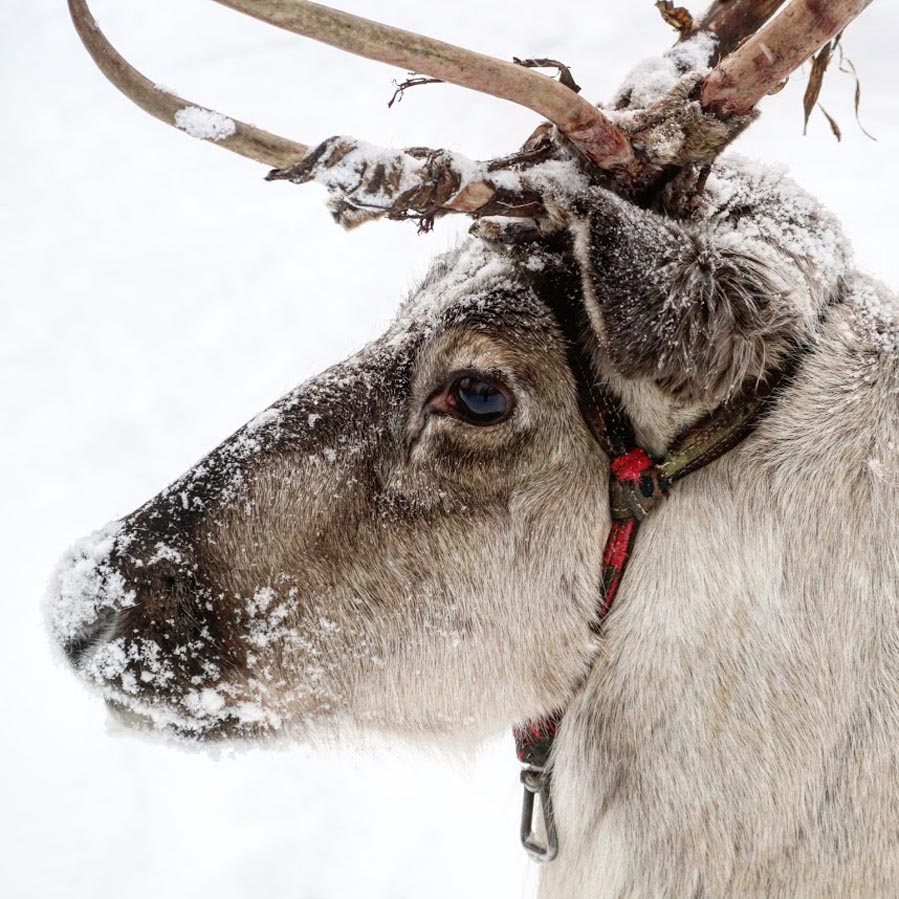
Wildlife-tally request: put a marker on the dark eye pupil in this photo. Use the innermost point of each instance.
(481, 402)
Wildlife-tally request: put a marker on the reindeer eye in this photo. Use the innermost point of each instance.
(479, 401)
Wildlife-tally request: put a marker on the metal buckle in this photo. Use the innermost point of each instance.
(536, 782)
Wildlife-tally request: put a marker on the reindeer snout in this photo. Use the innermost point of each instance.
(87, 593)
(92, 634)
(110, 576)
(132, 609)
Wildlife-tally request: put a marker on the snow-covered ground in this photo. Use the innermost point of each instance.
(156, 294)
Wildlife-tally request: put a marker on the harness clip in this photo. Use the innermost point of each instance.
(536, 783)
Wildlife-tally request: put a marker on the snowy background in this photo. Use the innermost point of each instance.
(156, 294)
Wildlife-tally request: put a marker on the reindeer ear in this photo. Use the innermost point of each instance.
(693, 308)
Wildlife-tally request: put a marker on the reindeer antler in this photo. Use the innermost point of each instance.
(578, 119)
(769, 56)
(732, 21)
(246, 140)
(686, 128)
(601, 141)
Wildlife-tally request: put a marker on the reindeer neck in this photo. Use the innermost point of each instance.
(638, 483)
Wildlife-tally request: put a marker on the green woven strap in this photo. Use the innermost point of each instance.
(720, 431)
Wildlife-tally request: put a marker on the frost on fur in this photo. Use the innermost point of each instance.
(701, 306)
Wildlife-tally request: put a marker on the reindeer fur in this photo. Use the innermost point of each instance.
(349, 558)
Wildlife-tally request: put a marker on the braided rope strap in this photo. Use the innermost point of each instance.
(636, 486)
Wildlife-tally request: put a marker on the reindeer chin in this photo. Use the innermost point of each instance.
(151, 719)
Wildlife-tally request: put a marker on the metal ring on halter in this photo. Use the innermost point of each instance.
(536, 782)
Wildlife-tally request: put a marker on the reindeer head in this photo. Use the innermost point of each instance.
(412, 539)
(366, 546)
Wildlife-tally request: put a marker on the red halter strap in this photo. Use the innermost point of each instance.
(637, 484)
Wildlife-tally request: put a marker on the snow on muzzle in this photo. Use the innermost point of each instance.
(87, 593)
(132, 611)
(187, 612)
(140, 613)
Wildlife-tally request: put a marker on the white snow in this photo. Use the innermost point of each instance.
(208, 701)
(165, 552)
(794, 224)
(84, 584)
(400, 173)
(877, 314)
(157, 294)
(652, 78)
(263, 418)
(204, 123)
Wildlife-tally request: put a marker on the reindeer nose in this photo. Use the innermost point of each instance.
(92, 634)
(107, 576)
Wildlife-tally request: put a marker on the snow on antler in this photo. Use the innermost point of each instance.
(631, 149)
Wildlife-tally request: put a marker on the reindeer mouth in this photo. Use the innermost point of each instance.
(128, 717)
(127, 611)
(153, 719)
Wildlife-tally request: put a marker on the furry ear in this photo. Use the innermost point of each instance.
(695, 308)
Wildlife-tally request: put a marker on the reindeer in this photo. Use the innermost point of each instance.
(427, 539)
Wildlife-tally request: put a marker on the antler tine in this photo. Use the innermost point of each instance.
(578, 119)
(767, 58)
(246, 140)
(733, 20)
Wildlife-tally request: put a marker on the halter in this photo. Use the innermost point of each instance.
(638, 482)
